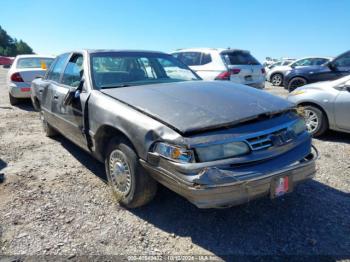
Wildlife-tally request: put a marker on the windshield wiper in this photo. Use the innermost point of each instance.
(114, 86)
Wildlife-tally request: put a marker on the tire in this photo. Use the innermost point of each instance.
(277, 79)
(296, 82)
(48, 129)
(13, 100)
(131, 185)
(320, 125)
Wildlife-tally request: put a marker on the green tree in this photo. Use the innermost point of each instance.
(23, 48)
(11, 47)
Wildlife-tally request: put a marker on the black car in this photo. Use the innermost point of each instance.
(336, 68)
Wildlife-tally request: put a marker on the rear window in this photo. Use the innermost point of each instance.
(34, 62)
(239, 58)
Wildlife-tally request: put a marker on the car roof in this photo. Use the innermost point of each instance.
(207, 50)
(308, 57)
(93, 51)
(29, 56)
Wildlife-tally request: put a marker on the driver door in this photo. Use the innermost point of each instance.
(342, 109)
(71, 115)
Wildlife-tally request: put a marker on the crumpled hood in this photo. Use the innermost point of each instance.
(199, 105)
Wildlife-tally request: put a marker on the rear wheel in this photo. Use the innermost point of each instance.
(131, 185)
(277, 79)
(316, 121)
(13, 100)
(48, 129)
(296, 82)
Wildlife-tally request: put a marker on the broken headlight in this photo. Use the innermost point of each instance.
(175, 153)
(221, 151)
(299, 126)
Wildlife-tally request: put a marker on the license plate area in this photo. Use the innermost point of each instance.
(248, 78)
(281, 185)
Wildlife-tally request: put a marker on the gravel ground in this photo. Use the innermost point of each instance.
(54, 201)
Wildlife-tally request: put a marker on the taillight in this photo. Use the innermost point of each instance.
(223, 76)
(226, 75)
(263, 71)
(235, 71)
(16, 77)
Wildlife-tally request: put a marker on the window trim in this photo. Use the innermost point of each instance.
(65, 67)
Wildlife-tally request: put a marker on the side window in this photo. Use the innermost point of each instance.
(343, 61)
(57, 68)
(74, 71)
(319, 61)
(206, 59)
(48, 72)
(303, 62)
(190, 58)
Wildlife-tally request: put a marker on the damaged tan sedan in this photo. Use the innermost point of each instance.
(151, 119)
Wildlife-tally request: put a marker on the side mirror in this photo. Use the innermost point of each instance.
(38, 76)
(73, 93)
(331, 66)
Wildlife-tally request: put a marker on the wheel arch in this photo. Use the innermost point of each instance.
(104, 135)
(311, 103)
(36, 103)
(277, 72)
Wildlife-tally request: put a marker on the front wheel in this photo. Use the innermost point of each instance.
(296, 82)
(131, 185)
(277, 79)
(316, 121)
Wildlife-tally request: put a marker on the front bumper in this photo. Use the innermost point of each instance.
(241, 184)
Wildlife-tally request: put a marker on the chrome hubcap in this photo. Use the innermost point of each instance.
(276, 80)
(119, 171)
(311, 120)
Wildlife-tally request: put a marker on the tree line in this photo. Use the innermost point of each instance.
(11, 46)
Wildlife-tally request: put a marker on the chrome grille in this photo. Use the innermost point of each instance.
(263, 141)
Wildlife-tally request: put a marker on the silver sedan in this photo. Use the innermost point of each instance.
(326, 105)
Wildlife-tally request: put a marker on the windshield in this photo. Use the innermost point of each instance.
(34, 62)
(239, 58)
(120, 69)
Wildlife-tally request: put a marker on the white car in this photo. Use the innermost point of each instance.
(277, 73)
(235, 65)
(22, 72)
(283, 62)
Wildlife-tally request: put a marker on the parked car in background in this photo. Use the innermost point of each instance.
(283, 62)
(269, 61)
(238, 66)
(276, 74)
(22, 72)
(334, 69)
(150, 118)
(326, 105)
(6, 61)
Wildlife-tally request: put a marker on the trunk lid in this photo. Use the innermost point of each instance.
(28, 75)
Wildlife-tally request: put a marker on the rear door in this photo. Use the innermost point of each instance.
(244, 67)
(49, 101)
